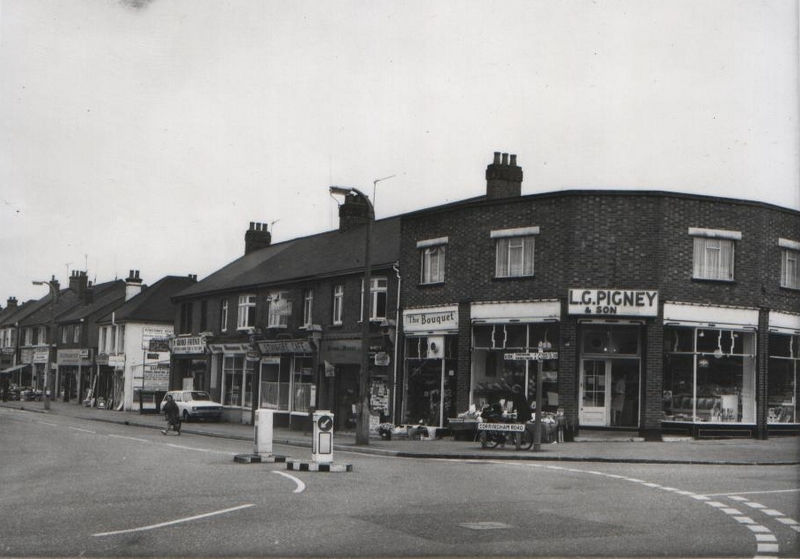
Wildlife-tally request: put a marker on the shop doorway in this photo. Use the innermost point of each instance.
(609, 393)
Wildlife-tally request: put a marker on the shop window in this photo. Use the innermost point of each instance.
(377, 304)
(432, 260)
(275, 385)
(620, 340)
(790, 269)
(246, 317)
(783, 367)
(714, 381)
(223, 315)
(238, 378)
(514, 251)
(338, 304)
(303, 381)
(308, 306)
(713, 257)
(280, 309)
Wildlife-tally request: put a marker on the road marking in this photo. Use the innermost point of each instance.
(772, 512)
(46, 423)
(485, 525)
(130, 438)
(767, 547)
(759, 528)
(300, 485)
(733, 493)
(197, 449)
(83, 430)
(172, 522)
(766, 538)
(753, 505)
(744, 519)
(727, 510)
(787, 521)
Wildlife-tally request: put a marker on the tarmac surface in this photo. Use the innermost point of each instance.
(590, 446)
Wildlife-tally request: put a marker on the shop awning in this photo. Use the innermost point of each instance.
(7, 372)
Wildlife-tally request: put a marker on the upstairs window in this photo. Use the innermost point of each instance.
(28, 336)
(514, 251)
(186, 318)
(338, 302)
(713, 253)
(308, 304)
(223, 315)
(76, 334)
(280, 309)
(247, 312)
(64, 334)
(432, 260)
(790, 260)
(377, 298)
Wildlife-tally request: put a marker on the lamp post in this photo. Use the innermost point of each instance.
(53, 297)
(362, 422)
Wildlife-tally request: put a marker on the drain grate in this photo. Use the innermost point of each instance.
(485, 525)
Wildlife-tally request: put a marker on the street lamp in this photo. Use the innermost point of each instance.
(53, 297)
(362, 422)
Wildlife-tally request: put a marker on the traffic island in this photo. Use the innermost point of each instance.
(300, 466)
(258, 459)
(262, 442)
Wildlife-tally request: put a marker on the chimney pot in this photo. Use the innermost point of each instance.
(505, 159)
(497, 158)
(503, 180)
(513, 159)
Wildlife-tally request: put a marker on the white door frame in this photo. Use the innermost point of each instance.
(601, 416)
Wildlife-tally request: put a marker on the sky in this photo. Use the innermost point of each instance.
(147, 134)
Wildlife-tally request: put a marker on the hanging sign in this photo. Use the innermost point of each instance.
(610, 302)
(285, 346)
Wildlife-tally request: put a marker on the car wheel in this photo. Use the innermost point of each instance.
(185, 415)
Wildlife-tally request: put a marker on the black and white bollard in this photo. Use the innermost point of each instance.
(262, 441)
(321, 448)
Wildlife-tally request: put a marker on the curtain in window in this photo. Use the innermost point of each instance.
(514, 257)
(713, 259)
(790, 277)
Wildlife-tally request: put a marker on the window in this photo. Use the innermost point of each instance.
(186, 318)
(76, 334)
(103, 337)
(713, 253)
(432, 260)
(514, 251)
(223, 315)
(784, 366)
(203, 315)
(308, 304)
(338, 300)
(28, 336)
(42, 335)
(238, 378)
(113, 338)
(247, 312)
(64, 334)
(790, 256)
(377, 301)
(280, 309)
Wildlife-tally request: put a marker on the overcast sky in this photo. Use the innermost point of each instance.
(148, 134)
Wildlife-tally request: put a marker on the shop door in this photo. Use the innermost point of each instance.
(594, 392)
(609, 393)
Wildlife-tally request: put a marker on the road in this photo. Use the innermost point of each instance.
(73, 487)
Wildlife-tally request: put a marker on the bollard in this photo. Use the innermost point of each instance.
(322, 442)
(263, 433)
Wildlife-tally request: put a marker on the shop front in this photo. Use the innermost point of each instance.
(189, 363)
(429, 374)
(611, 328)
(71, 364)
(710, 369)
(287, 380)
(236, 363)
(783, 367)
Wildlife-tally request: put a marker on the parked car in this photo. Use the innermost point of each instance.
(28, 394)
(194, 404)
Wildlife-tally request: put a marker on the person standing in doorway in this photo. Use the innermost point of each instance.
(618, 401)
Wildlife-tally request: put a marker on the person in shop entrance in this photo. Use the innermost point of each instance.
(172, 414)
(618, 401)
(521, 404)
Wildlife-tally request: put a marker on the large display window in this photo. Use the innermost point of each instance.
(709, 375)
(495, 371)
(784, 357)
(238, 381)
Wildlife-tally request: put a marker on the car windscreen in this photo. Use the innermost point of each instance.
(197, 396)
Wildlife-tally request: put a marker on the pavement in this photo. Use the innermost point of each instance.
(590, 446)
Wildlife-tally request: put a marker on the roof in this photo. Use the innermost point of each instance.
(325, 254)
(104, 295)
(41, 311)
(153, 304)
(19, 313)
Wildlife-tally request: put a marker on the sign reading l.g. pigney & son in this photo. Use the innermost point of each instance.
(606, 302)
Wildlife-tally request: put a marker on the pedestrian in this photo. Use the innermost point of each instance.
(521, 404)
(172, 414)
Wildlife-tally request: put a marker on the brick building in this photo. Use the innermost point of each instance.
(668, 312)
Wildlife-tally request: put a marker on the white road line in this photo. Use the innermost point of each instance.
(768, 548)
(83, 430)
(727, 510)
(744, 520)
(758, 528)
(753, 505)
(46, 423)
(772, 512)
(787, 521)
(733, 493)
(197, 449)
(172, 522)
(300, 485)
(130, 438)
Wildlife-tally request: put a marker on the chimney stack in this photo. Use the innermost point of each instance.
(354, 212)
(503, 177)
(78, 281)
(11, 303)
(133, 284)
(257, 237)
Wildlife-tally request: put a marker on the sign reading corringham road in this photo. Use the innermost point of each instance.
(606, 302)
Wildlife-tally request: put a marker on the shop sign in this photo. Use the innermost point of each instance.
(116, 361)
(252, 356)
(73, 357)
(382, 359)
(506, 427)
(101, 359)
(610, 302)
(26, 355)
(431, 319)
(187, 345)
(285, 346)
(159, 345)
(156, 377)
(8, 351)
(161, 333)
(41, 355)
(528, 356)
